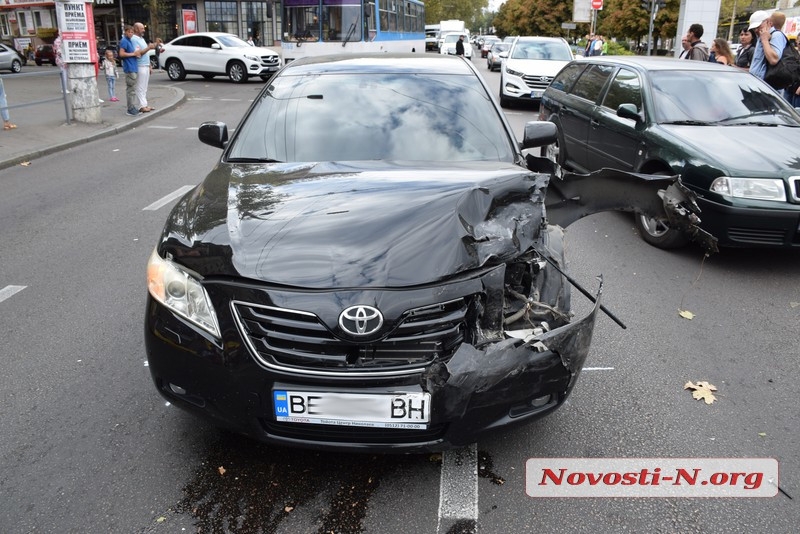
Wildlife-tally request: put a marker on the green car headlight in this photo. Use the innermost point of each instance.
(751, 188)
(181, 292)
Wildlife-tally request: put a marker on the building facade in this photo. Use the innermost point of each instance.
(25, 22)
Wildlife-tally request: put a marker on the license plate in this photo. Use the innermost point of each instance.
(537, 94)
(394, 410)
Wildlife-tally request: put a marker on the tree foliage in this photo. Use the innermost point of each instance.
(470, 11)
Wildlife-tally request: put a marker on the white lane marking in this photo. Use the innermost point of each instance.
(230, 99)
(163, 127)
(163, 201)
(458, 487)
(598, 368)
(201, 98)
(9, 291)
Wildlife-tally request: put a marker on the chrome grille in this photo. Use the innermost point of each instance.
(270, 61)
(537, 82)
(298, 341)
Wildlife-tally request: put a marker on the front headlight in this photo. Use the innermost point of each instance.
(179, 291)
(254, 59)
(514, 73)
(751, 188)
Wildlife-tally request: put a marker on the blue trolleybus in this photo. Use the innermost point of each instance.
(318, 27)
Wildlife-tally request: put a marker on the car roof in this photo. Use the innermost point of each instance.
(653, 63)
(208, 34)
(530, 38)
(380, 63)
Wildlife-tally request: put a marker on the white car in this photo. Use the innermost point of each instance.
(531, 65)
(218, 54)
(449, 45)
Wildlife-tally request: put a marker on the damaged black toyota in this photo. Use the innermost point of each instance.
(372, 264)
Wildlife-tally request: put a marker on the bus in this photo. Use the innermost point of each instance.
(320, 27)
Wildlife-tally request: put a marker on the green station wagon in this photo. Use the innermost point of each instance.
(732, 139)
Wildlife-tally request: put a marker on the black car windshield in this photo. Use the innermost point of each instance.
(714, 97)
(372, 116)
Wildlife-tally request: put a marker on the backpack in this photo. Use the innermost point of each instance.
(786, 72)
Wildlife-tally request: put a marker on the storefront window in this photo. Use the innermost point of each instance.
(256, 16)
(222, 17)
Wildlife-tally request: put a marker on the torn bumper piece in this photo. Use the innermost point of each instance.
(513, 380)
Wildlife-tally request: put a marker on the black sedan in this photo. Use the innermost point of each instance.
(366, 268)
(732, 139)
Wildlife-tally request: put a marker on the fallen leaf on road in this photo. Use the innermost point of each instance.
(288, 509)
(702, 390)
(686, 314)
(26, 163)
(221, 470)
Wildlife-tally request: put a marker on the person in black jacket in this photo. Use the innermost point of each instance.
(460, 46)
(747, 41)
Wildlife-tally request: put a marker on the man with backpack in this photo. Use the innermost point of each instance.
(770, 44)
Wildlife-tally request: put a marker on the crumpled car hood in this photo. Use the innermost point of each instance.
(335, 225)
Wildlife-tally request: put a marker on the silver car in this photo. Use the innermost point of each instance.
(9, 59)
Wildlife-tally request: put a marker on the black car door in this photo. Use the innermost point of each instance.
(613, 140)
(577, 112)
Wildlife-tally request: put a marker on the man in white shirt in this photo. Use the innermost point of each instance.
(143, 61)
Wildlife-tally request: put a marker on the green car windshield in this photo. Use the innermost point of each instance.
(699, 97)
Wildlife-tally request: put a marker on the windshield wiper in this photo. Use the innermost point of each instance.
(690, 122)
(253, 160)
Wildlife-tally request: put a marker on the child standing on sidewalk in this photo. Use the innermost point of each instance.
(110, 70)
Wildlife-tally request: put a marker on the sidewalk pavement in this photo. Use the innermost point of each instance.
(42, 128)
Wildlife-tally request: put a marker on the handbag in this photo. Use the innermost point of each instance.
(786, 71)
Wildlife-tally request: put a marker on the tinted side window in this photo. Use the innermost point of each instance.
(592, 81)
(566, 78)
(206, 42)
(625, 88)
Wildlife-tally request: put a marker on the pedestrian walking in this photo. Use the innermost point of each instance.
(699, 50)
(110, 70)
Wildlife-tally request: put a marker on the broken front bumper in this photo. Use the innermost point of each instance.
(478, 389)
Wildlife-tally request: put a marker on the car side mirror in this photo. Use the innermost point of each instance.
(629, 111)
(216, 46)
(539, 133)
(214, 134)
(503, 54)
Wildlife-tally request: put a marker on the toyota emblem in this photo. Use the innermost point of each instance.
(361, 320)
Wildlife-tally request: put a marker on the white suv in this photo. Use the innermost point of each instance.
(531, 65)
(217, 54)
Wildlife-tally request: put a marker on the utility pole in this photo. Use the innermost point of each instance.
(652, 7)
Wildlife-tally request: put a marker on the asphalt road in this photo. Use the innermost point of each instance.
(87, 446)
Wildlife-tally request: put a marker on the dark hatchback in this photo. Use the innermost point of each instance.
(366, 268)
(732, 139)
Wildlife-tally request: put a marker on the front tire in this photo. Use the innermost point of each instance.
(16, 66)
(656, 232)
(237, 72)
(175, 70)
